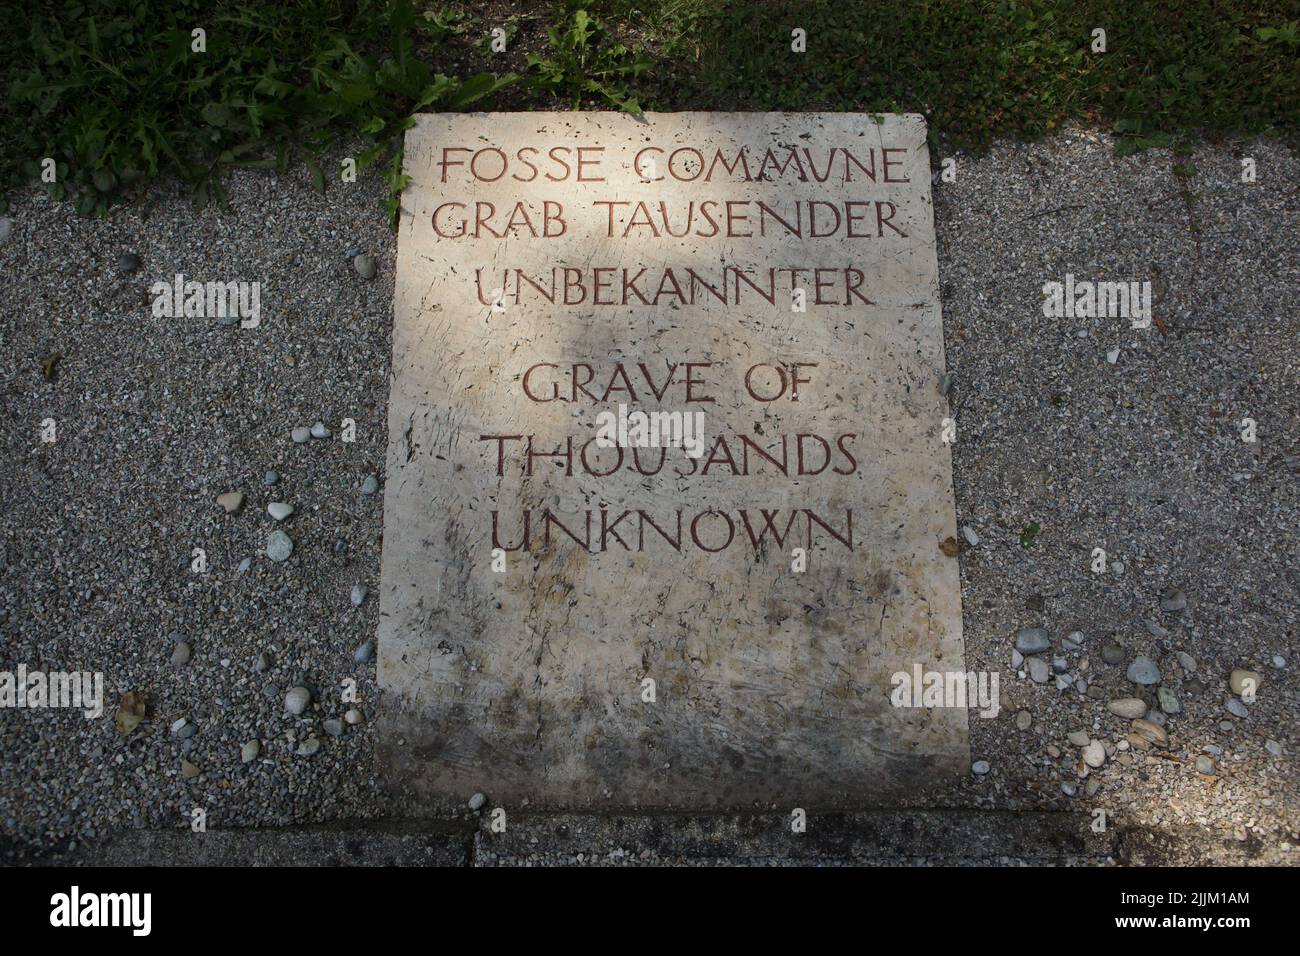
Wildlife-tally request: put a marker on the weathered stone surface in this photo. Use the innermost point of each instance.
(769, 683)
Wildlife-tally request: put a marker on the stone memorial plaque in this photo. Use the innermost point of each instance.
(584, 603)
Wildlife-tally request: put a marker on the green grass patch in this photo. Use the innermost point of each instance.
(981, 70)
(115, 93)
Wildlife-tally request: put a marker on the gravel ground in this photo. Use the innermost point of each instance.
(1142, 458)
(157, 417)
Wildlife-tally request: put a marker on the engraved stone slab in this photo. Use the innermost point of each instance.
(583, 604)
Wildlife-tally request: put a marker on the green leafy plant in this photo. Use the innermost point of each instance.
(1288, 34)
(583, 61)
(117, 94)
(509, 30)
(376, 97)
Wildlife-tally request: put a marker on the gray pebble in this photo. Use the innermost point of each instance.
(1173, 601)
(279, 510)
(308, 747)
(1151, 731)
(1143, 670)
(279, 546)
(365, 265)
(1236, 708)
(263, 663)
(181, 653)
(1094, 755)
(1072, 641)
(1204, 765)
(1032, 640)
(248, 753)
(1069, 788)
(296, 701)
(188, 731)
(1279, 661)
(333, 727)
(6, 228)
(301, 435)
(1060, 665)
(1169, 701)
(1112, 654)
(1157, 718)
(370, 485)
(128, 262)
(1155, 630)
(1128, 707)
(969, 534)
(179, 724)
(1274, 747)
(1023, 720)
(364, 652)
(270, 478)
(1038, 671)
(980, 768)
(1186, 661)
(1117, 567)
(244, 565)
(359, 592)
(476, 802)
(320, 431)
(1241, 681)
(1078, 738)
(353, 716)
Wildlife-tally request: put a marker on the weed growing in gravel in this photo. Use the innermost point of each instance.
(584, 61)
